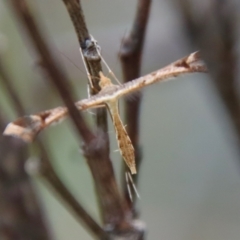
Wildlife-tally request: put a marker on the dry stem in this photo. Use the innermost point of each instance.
(131, 55)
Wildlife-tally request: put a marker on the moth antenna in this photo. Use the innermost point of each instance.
(74, 64)
(108, 68)
(85, 66)
(89, 95)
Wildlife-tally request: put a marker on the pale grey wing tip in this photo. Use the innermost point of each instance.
(19, 132)
(133, 170)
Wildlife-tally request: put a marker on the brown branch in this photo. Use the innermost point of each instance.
(131, 55)
(57, 76)
(46, 169)
(21, 216)
(16, 191)
(105, 184)
(217, 40)
(91, 56)
(54, 182)
(98, 157)
(75, 12)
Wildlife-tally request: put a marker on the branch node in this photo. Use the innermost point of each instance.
(90, 50)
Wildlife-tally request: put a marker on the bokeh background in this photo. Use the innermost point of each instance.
(190, 176)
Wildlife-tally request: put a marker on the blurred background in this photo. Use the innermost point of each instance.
(190, 175)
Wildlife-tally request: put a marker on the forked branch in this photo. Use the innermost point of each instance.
(111, 203)
(57, 75)
(45, 168)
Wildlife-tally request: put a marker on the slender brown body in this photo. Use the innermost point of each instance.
(124, 142)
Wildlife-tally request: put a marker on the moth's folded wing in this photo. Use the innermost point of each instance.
(28, 127)
(189, 64)
(25, 128)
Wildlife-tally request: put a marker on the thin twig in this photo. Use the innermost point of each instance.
(131, 56)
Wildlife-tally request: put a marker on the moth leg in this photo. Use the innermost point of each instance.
(88, 73)
(100, 55)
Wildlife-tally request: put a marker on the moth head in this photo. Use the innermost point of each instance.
(104, 81)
